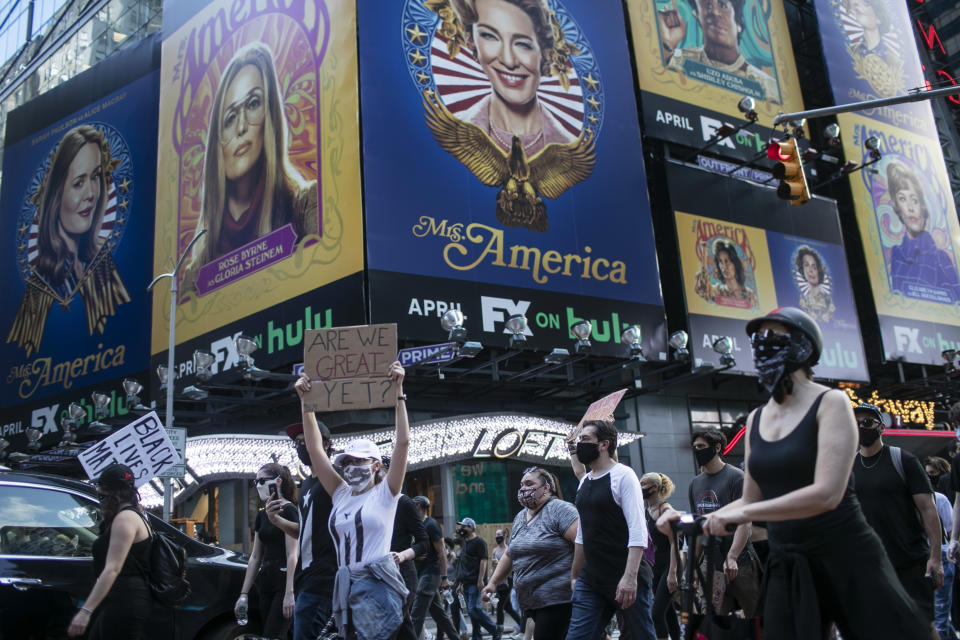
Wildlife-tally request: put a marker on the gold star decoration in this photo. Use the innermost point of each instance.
(22, 246)
(23, 228)
(123, 204)
(592, 119)
(593, 103)
(592, 83)
(120, 221)
(417, 58)
(423, 77)
(429, 93)
(416, 36)
(124, 186)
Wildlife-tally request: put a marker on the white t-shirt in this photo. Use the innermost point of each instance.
(362, 525)
(626, 492)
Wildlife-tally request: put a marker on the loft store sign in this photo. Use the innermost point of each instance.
(510, 442)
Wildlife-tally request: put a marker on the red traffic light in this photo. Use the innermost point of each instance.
(778, 151)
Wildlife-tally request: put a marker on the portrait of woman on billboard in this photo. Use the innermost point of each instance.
(917, 261)
(68, 249)
(873, 44)
(727, 284)
(249, 187)
(814, 284)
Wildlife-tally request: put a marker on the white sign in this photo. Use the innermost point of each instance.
(178, 438)
(143, 445)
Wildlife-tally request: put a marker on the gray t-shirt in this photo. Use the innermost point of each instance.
(708, 493)
(542, 556)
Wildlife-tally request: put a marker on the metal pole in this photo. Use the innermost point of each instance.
(867, 104)
(171, 376)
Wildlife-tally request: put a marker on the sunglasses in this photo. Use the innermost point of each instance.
(868, 423)
(769, 337)
(263, 481)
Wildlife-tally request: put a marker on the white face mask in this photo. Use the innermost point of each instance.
(358, 476)
(263, 491)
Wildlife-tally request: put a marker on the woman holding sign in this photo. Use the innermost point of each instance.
(121, 596)
(368, 591)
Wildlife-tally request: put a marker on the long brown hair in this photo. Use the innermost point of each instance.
(113, 498)
(287, 488)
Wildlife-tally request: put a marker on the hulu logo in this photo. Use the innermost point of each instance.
(603, 331)
(291, 334)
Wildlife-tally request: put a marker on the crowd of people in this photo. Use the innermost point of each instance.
(823, 530)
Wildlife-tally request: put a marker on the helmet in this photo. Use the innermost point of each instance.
(794, 319)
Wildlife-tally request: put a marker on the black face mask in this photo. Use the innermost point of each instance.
(462, 533)
(649, 493)
(868, 436)
(587, 452)
(933, 479)
(704, 456)
(303, 454)
(776, 356)
(499, 539)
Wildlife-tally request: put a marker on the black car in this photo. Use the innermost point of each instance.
(47, 528)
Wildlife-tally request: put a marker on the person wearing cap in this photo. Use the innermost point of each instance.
(316, 555)
(826, 563)
(898, 503)
(368, 591)
(432, 572)
(120, 602)
(408, 533)
(472, 576)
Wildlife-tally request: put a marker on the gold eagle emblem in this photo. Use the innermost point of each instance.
(522, 180)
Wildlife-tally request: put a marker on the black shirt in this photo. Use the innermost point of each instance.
(408, 528)
(317, 562)
(272, 537)
(887, 502)
(431, 564)
(468, 563)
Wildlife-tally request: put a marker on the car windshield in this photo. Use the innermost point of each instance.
(46, 522)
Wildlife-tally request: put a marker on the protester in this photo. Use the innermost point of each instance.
(826, 564)
(408, 533)
(938, 471)
(943, 598)
(432, 572)
(504, 588)
(736, 576)
(456, 615)
(121, 594)
(368, 590)
(897, 500)
(273, 560)
(540, 555)
(316, 555)
(472, 576)
(656, 488)
(608, 573)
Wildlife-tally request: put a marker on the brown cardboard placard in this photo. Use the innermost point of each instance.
(347, 367)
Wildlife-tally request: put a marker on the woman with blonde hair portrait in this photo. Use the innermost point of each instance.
(71, 254)
(250, 188)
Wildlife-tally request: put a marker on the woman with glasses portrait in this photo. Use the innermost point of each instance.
(250, 188)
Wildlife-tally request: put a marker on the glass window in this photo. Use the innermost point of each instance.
(46, 522)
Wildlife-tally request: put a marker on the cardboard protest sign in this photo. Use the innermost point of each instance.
(348, 367)
(602, 408)
(143, 445)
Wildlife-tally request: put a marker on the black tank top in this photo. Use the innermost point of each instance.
(789, 464)
(661, 549)
(139, 553)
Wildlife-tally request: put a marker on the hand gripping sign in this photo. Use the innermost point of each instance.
(143, 445)
(347, 367)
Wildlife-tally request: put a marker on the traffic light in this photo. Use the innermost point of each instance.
(789, 171)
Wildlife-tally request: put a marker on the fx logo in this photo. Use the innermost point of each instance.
(499, 309)
(45, 419)
(225, 349)
(907, 339)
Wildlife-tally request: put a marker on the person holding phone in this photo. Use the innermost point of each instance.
(273, 560)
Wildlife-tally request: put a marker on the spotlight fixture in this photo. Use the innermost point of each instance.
(245, 347)
(724, 346)
(203, 364)
(831, 133)
(631, 338)
(452, 323)
(470, 349)
(678, 340)
(582, 329)
(163, 374)
(4, 443)
(132, 389)
(195, 393)
(76, 413)
(33, 438)
(748, 107)
(557, 356)
(100, 403)
(949, 359)
(873, 146)
(517, 326)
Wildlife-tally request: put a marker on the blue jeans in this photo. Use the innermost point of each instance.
(480, 619)
(310, 612)
(593, 610)
(943, 600)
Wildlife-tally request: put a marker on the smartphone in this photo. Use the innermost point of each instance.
(272, 489)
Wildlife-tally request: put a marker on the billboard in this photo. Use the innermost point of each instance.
(258, 158)
(696, 59)
(76, 216)
(510, 137)
(911, 238)
(744, 253)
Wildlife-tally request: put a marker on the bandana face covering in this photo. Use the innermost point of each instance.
(770, 355)
(358, 476)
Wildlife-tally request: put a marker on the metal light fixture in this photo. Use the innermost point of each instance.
(195, 393)
(163, 374)
(100, 403)
(582, 329)
(748, 107)
(831, 133)
(33, 438)
(678, 340)
(132, 389)
(949, 359)
(470, 349)
(4, 443)
(203, 364)
(517, 326)
(557, 356)
(631, 338)
(724, 346)
(872, 145)
(246, 346)
(452, 323)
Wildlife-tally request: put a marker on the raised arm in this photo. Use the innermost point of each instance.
(401, 441)
(319, 461)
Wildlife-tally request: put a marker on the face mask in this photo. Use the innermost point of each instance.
(868, 436)
(462, 533)
(499, 539)
(776, 355)
(358, 476)
(587, 452)
(263, 491)
(303, 454)
(527, 498)
(933, 479)
(704, 456)
(649, 493)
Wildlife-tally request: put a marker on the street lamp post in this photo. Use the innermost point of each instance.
(171, 372)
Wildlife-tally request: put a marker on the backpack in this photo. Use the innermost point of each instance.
(167, 573)
(897, 456)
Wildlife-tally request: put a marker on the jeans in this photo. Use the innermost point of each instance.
(943, 600)
(592, 611)
(310, 612)
(480, 619)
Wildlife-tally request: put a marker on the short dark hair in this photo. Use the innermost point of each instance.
(711, 435)
(737, 14)
(807, 251)
(605, 431)
(940, 466)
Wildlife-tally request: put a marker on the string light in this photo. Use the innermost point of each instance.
(918, 412)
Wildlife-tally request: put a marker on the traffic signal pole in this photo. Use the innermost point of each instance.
(918, 96)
